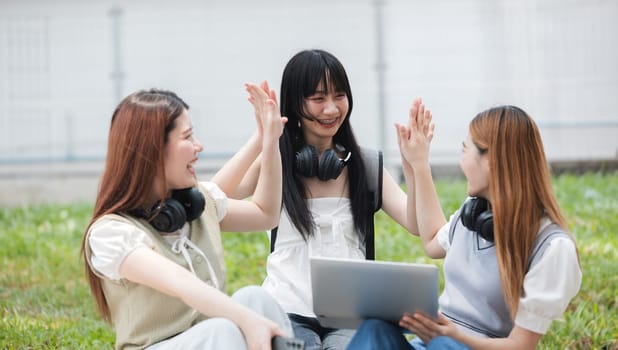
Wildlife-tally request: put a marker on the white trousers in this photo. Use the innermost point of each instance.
(220, 333)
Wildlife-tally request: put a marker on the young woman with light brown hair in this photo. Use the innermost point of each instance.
(511, 266)
(153, 251)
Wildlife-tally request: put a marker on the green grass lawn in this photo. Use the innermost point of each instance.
(45, 302)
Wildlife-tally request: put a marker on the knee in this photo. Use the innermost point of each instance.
(249, 294)
(259, 300)
(378, 334)
(225, 328)
(377, 326)
(217, 333)
(256, 298)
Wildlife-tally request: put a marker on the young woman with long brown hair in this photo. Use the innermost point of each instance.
(511, 266)
(153, 252)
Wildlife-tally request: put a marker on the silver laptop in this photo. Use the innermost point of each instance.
(346, 292)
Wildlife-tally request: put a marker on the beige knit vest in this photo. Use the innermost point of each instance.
(143, 316)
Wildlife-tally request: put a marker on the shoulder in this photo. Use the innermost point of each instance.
(551, 236)
(114, 225)
(112, 221)
(110, 239)
(550, 283)
(212, 190)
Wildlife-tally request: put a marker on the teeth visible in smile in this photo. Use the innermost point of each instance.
(327, 121)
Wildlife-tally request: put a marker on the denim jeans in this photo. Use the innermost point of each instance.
(376, 334)
(317, 337)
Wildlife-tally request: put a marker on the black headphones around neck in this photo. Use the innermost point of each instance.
(476, 216)
(184, 205)
(326, 167)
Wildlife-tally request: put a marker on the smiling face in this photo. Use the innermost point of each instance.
(475, 166)
(180, 154)
(328, 108)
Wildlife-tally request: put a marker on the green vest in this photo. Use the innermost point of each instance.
(143, 316)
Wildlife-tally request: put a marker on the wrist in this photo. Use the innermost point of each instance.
(421, 167)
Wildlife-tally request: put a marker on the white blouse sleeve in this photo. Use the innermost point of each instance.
(219, 197)
(549, 286)
(111, 242)
(443, 233)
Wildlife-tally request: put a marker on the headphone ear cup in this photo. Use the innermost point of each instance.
(307, 161)
(192, 201)
(330, 166)
(476, 216)
(485, 225)
(171, 217)
(471, 211)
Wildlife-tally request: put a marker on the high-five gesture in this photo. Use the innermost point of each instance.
(414, 139)
(267, 114)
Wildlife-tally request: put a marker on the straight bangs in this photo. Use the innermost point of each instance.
(326, 68)
(302, 77)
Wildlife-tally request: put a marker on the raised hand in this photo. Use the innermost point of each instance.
(267, 113)
(414, 139)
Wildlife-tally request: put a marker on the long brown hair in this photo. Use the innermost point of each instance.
(139, 130)
(520, 187)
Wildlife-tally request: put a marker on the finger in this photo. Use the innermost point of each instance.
(273, 96)
(430, 133)
(265, 86)
(427, 121)
(429, 325)
(403, 134)
(412, 113)
(415, 327)
(417, 101)
(399, 134)
(249, 86)
(251, 100)
(407, 319)
(270, 93)
(442, 319)
(256, 91)
(420, 117)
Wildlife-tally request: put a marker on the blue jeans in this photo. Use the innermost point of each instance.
(317, 337)
(376, 334)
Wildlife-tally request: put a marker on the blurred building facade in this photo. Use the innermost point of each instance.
(65, 64)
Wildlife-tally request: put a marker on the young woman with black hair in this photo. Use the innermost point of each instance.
(327, 207)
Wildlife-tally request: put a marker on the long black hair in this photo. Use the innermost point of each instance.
(301, 77)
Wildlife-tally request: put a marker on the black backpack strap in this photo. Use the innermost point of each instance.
(273, 238)
(374, 165)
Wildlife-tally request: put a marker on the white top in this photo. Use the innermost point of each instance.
(112, 241)
(549, 285)
(288, 275)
